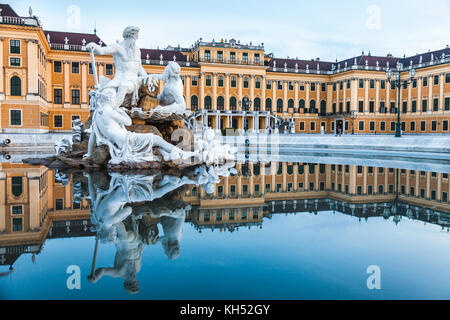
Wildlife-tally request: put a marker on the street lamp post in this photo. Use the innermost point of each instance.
(397, 83)
(354, 115)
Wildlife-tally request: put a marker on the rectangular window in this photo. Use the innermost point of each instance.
(17, 210)
(424, 105)
(16, 117)
(75, 96)
(361, 106)
(302, 126)
(75, 67)
(280, 85)
(14, 46)
(194, 81)
(383, 126)
(414, 106)
(445, 125)
(220, 56)
(109, 69)
(269, 85)
(383, 84)
(444, 197)
(207, 55)
(405, 107)
(393, 124)
(413, 126)
(361, 83)
(257, 189)
(372, 106)
(348, 84)
(313, 126)
(14, 62)
(324, 87)
(447, 104)
(245, 58)
(313, 87)
(435, 104)
(233, 191)
(291, 86)
(361, 126)
(59, 204)
(433, 125)
(436, 80)
(57, 96)
(422, 126)
(57, 67)
(17, 225)
(425, 81)
(58, 121)
(372, 126)
(372, 84)
(245, 190)
(233, 57)
(90, 70)
(257, 58)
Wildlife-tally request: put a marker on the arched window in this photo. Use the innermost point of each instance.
(16, 86)
(257, 169)
(312, 168)
(312, 106)
(290, 170)
(280, 106)
(220, 103)
(208, 103)
(233, 103)
(194, 102)
(269, 104)
(323, 107)
(17, 186)
(301, 106)
(291, 104)
(257, 104)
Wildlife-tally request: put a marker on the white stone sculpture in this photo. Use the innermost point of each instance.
(63, 147)
(130, 74)
(108, 128)
(171, 99)
(77, 130)
(211, 151)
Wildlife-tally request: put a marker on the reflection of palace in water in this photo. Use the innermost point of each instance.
(35, 206)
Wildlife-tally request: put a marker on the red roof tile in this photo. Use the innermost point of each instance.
(74, 38)
(155, 54)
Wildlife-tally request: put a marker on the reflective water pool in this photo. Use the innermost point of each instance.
(256, 231)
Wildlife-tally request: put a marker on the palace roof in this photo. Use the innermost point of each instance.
(72, 38)
(167, 55)
(7, 11)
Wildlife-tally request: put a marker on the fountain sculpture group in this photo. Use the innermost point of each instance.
(132, 126)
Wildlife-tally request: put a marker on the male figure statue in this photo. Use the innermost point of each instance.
(129, 71)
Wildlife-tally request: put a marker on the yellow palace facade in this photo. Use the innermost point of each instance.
(46, 76)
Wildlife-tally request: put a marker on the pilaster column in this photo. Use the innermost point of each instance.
(252, 91)
(66, 84)
(2, 200)
(377, 97)
(33, 189)
(441, 92)
(240, 89)
(187, 82)
(84, 67)
(274, 98)
(214, 102)
(366, 95)
(2, 84)
(285, 96)
(227, 91)
(419, 94)
(307, 102)
(201, 79)
(296, 88)
(409, 99)
(430, 105)
(329, 98)
(263, 100)
(33, 67)
(354, 94)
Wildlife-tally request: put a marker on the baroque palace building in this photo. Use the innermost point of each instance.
(46, 77)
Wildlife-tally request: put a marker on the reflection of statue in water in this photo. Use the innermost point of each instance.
(110, 209)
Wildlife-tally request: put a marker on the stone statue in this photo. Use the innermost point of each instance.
(211, 151)
(172, 99)
(108, 128)
(130, 74)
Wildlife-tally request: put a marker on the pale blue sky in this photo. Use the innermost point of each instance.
(305, 29)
